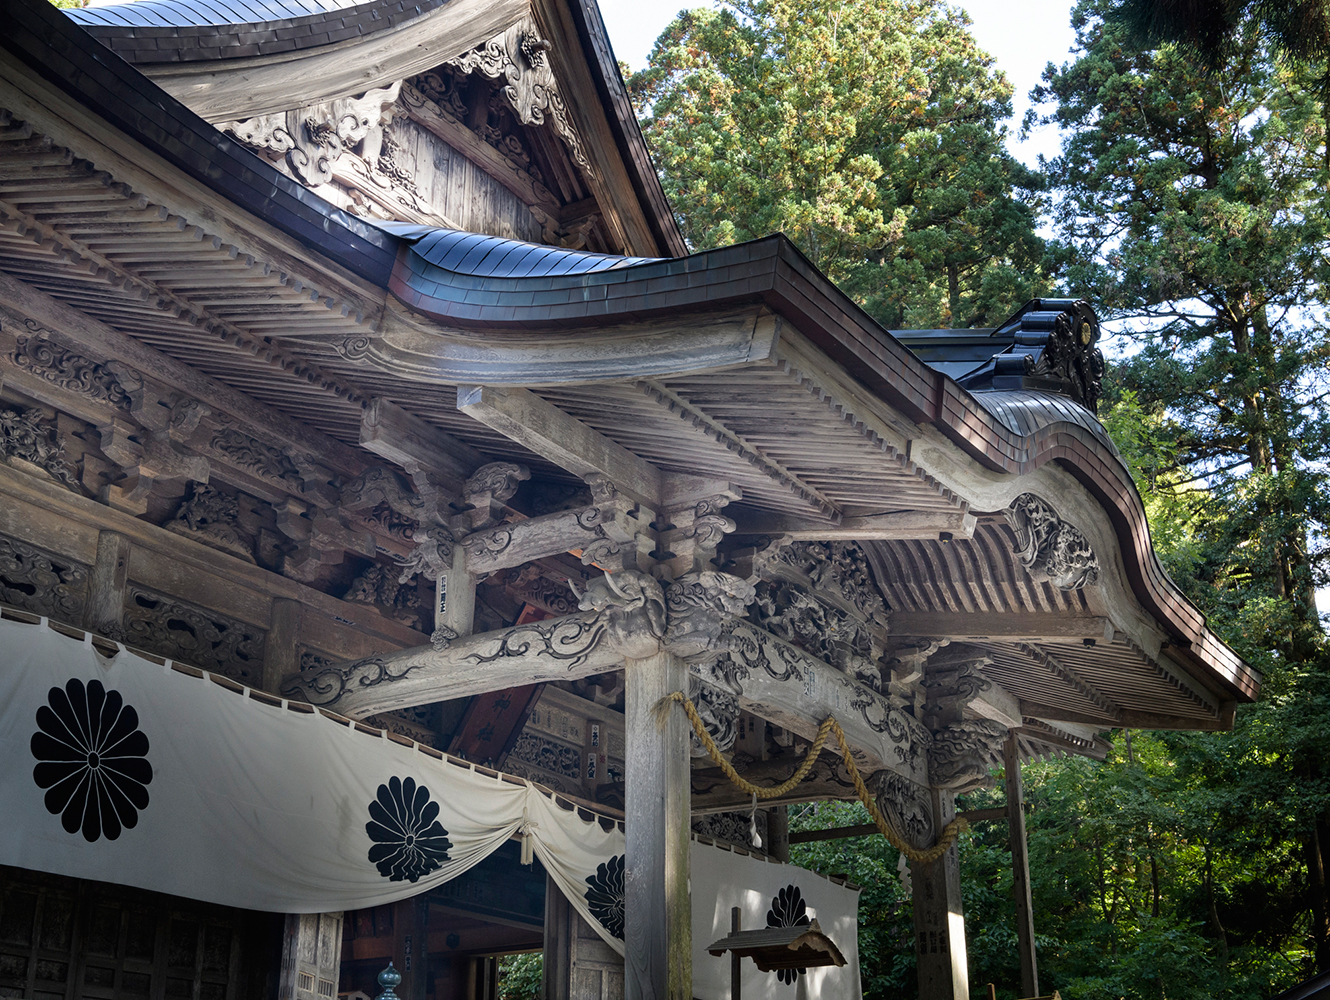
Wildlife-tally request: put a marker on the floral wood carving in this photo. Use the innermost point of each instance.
(961, 755)
(30, 437)
(69, 371)
(313, 138)
(907, 808)
(1050, 548)
(211, 516)
(200, 638)
(255, 457)
(519, 60)
(41, 582)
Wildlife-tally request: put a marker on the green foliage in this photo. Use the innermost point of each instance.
(520, 976)
(868, 132)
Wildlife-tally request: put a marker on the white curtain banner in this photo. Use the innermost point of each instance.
(167, 778)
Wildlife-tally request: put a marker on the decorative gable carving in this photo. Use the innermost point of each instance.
(519, 59)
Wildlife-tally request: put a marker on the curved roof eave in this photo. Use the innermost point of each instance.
(160, 34)
(529, 287)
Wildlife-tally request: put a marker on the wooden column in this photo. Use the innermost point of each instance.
(311, 956)
(281, 650)
(578, 964)
(657, 911)
(1020, 868)
(939, 921)
(410, 951)
(455, 597)
(106, 590)
(778, 833)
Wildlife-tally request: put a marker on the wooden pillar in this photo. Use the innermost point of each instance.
(939, 921)
(657, 911)
(578, 964)
(455, 598)
(281, 650)
(1020, 868)
(410, 946)
(778, 833)
(106, 590)
(311, 956)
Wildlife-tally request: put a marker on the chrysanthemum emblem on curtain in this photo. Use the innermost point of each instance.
(92, 760)
(408, 840)
(604, 895)
(788, 910)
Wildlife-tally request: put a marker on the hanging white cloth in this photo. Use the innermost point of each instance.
(167, 778)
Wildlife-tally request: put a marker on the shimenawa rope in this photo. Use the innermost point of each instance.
(829, 726)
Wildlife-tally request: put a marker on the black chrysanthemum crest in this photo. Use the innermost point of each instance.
(408, 840)
(788, 910)
(604, 895)
(91, 759)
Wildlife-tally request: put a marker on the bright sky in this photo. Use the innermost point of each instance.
(1022, 38)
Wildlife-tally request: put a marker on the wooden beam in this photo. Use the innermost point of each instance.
(1052, 713)
(566, 648)
(73, 327)
(1020, 866)
(541, 427)
(266, 84)
(1005, 626)
(106, 586)
(404, 439)
(870, 829)
(896, 526)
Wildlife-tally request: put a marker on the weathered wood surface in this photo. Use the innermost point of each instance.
(266, 84)
(888, 527)
(565, 648)
(1029, 626)
(101, 341)
(1020, 866)
(541, 427)
(939, 918)
(106, 586)
(404, 439)
(657, 910)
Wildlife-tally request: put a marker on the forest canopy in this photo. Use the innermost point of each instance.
(1190, 205)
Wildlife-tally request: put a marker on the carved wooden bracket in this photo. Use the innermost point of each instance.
(1049, 547)
(313, 138)
(519, 60)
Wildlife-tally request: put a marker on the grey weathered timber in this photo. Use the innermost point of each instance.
(311, 956)
(657, 911)
(543, 428)
(260, 85)
(566, 648)
(281, 651)
(106, 586)
(508, 545)
(578, 964)
(796, 691)
(828, 780)
(77, 328)
(1020, 867)
(939, 919)
(1009, 626)
(896, 526)
(404, 439)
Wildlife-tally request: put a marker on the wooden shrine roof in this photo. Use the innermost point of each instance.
(128, 218)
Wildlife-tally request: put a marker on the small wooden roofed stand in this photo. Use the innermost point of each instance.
(364, 334)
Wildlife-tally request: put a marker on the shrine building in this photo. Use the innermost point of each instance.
(410, 552)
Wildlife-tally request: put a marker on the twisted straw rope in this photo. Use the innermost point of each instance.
(829, 726)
